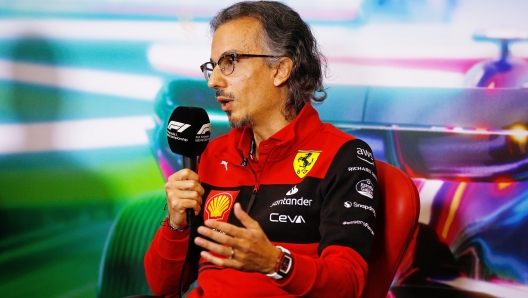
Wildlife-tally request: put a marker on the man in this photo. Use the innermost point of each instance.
(288, 202)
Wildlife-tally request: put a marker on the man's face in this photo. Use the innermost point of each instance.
(248, 95)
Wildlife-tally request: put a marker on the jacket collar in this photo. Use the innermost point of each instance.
(291, 137)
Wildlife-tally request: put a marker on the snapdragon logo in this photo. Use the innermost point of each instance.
(349, 204)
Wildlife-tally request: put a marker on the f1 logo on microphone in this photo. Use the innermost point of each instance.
(205, 129)
(178, 126)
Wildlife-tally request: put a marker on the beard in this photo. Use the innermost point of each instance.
(245, 121)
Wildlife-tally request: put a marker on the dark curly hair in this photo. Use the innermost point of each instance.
(285, 35)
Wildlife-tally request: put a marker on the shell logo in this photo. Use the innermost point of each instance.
(219, 204)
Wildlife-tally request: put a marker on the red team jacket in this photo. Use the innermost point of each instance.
(313, 191)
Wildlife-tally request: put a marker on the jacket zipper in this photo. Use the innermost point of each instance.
(253, 195)
(257, 185)
(245, 165)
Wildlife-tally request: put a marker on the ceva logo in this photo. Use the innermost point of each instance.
(275, 217)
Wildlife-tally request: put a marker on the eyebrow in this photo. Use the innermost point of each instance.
(226, 53)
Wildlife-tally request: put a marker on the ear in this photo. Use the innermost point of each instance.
(282, 71)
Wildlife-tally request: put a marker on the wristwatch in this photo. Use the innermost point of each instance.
(284, 264)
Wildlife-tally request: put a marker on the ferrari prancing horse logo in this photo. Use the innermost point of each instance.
(304, 162)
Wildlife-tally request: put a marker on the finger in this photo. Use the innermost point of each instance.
(178, 200)
(218, 237)
(214, 247)
(180, 205)
(184, 185)
(244, 218)
(227, 228)
(175, 193)
(232, 230)
(231, 263)
(183, 205)
(184, 174)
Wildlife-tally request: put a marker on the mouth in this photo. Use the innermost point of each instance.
(225, 101)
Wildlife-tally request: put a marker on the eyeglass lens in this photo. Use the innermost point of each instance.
(226, 65)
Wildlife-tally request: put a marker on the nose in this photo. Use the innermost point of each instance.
(216, 79)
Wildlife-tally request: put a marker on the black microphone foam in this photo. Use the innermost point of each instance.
(188, 131)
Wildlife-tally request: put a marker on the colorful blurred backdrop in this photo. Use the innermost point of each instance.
(436, 87)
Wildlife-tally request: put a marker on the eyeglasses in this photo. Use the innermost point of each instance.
(227, 63)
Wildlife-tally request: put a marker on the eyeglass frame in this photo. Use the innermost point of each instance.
(233, 57)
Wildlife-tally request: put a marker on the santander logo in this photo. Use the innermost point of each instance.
(292, 191)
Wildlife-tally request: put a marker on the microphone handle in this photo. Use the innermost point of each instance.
(189, 163)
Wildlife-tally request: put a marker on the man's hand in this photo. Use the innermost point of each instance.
(246, 249)
(183, 191)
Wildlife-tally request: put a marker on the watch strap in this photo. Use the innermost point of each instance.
(283, 265)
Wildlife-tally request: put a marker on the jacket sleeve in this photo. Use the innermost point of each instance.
(164, 260)
(347, 222)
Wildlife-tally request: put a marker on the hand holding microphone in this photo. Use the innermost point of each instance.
(188, 133)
